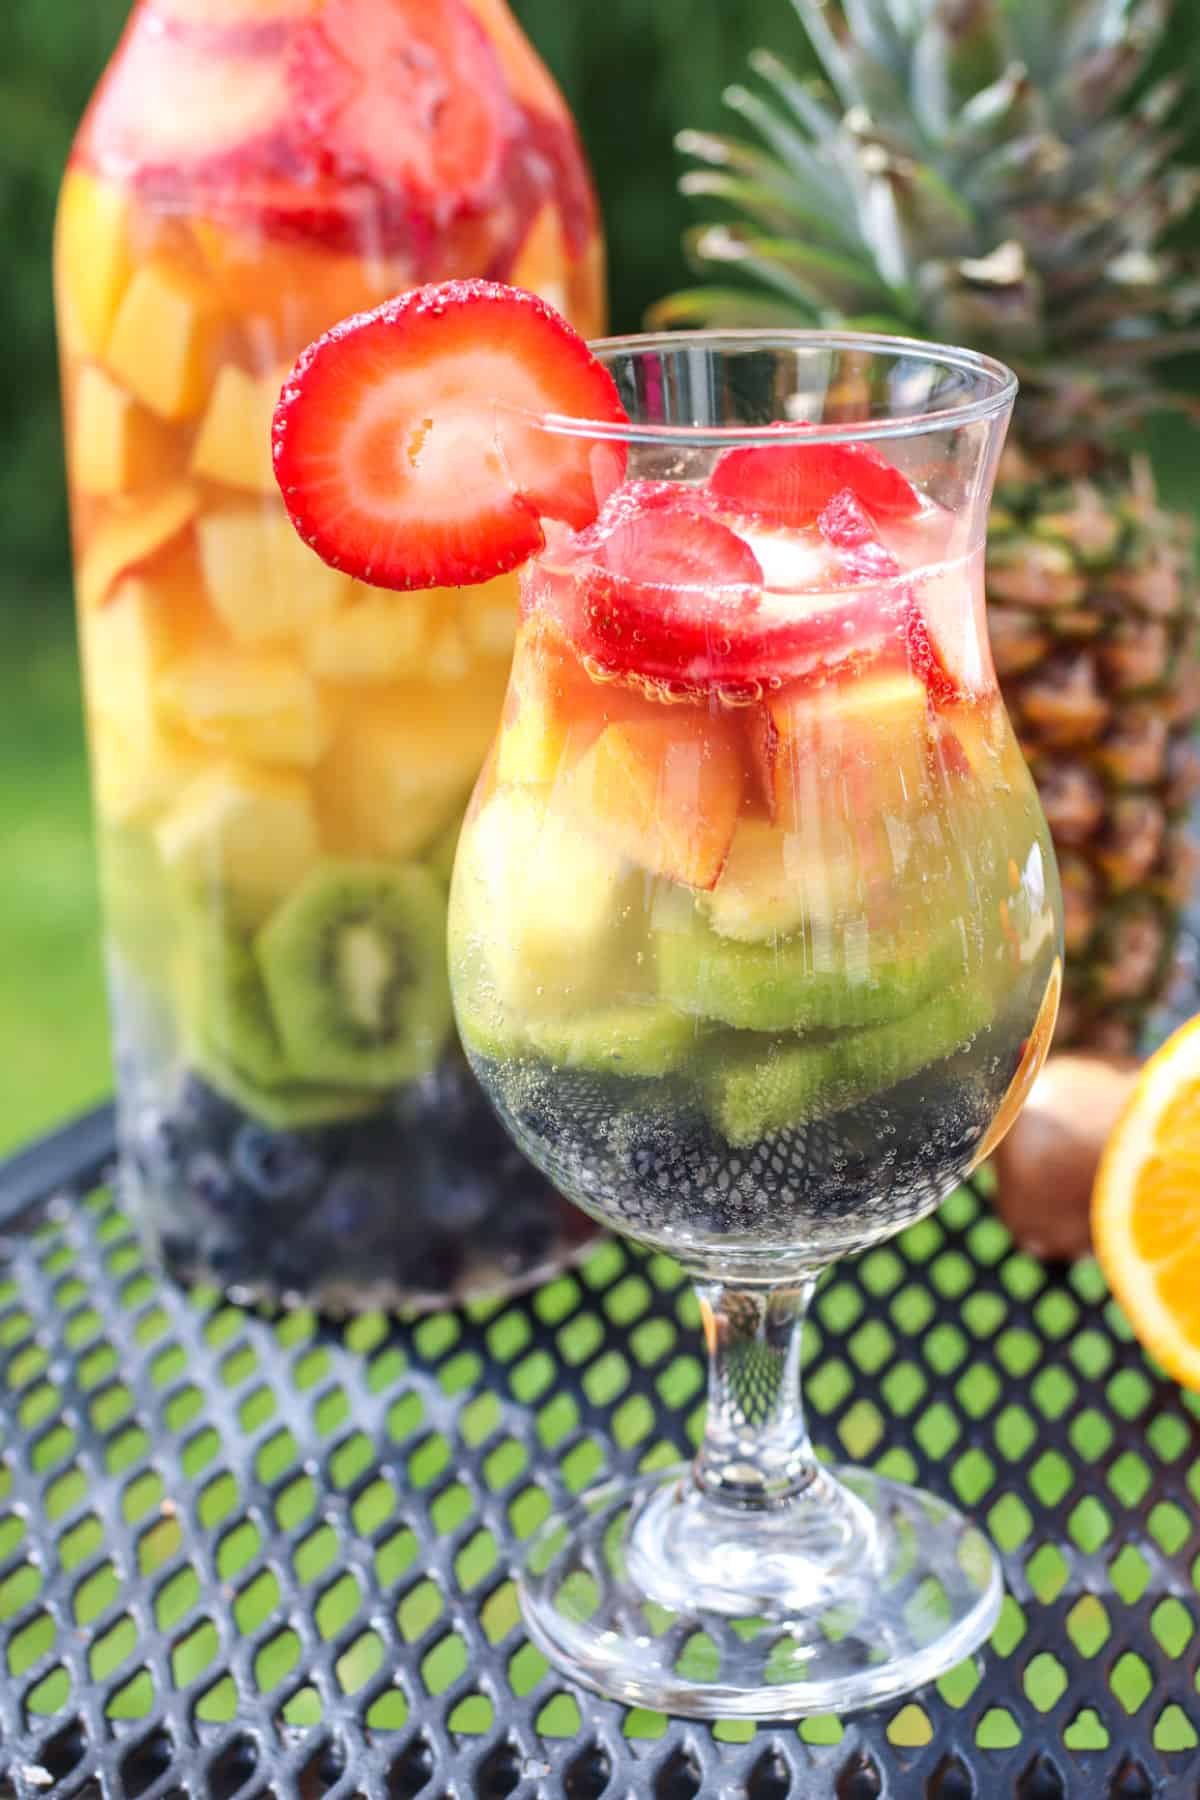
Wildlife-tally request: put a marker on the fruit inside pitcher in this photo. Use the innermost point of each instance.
(281, 754)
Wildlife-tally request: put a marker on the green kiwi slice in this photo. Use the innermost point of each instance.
(619, 1040)
(755, 1087)
(354, 964)
(289, 1107)
(224, 1003)
(775, 987)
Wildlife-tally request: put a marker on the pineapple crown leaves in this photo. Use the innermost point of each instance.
(971, 170)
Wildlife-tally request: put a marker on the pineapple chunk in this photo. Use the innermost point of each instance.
(489, 616)
(547, 901)
(376, 637)
(252, 831)
(263, 580)
(128, 538)
(401, 768)
(233, 445)
(135, 775)
(93, 260)
(164, 340)
(264, 707)
(116, 444)
(127, 644)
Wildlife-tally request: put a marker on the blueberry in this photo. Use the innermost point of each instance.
(524, 1231)
(276, 1165)
(359, 1210)
(215, 1189)
(204, 1114)
(428, 1267)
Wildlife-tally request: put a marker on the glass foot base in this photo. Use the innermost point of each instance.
(857, 1591)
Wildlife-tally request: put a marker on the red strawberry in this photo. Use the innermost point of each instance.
(398, 458)
(791, 484)
(846, 525)
(403, 92)
(661, 589)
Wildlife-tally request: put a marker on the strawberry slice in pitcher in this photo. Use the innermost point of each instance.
(405, 443)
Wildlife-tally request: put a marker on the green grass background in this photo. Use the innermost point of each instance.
(635, 71)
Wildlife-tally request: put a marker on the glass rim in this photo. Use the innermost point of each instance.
(997, 383)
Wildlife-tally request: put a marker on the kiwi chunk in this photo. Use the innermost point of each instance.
(775, 986)
(355, 969)
(291, 1106)
(224, 1003)
(619, 1040)
(753, 1089)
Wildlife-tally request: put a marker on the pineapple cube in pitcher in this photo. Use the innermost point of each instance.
(265, 584)
(116, 445)
(164, 340)
(233, 446)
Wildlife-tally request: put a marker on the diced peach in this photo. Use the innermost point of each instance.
(129, 537)
(666, 791)
(164, 340)
(92, 259)
(263, 706)
(401, 765)
(263, 580)
(375, 637)
(289, 292)
(554, 711)
(233, 445)
(116, 445)
(855, 750)
(251, 830)
(541, 265)
(127, 644)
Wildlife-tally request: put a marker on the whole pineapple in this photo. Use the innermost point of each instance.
(972, 171)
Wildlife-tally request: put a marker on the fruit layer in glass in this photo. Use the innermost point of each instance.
(755, 944)
(281, 756)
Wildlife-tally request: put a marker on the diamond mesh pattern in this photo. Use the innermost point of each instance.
(241, 1555)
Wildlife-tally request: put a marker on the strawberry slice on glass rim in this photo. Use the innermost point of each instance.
(409, 442)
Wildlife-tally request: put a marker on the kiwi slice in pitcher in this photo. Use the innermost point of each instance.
(224, 1005)
(354, 964)
(292, 1106)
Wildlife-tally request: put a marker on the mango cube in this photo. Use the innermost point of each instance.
(126, 645)
(376, 637)
(252, 831)
(116, 445)
(164, 340)
(92, 259)
(233, 445)
(263, 580)
(401, 768)
(263, 707)
(857, 752)
(128, 538)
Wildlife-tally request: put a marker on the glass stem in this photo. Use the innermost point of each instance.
(756, 1451)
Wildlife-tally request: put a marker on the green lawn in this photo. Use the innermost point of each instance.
(53, 1025)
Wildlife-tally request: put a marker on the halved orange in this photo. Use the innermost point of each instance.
(1146, 1207)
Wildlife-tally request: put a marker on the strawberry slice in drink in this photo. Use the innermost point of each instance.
(403, 92)
(662, 588)
(791, 484)
(404, 445)
(847, 527)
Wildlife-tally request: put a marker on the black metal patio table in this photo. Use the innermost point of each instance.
(272, 1556)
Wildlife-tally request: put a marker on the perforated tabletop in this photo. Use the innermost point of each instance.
(273, 1557)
